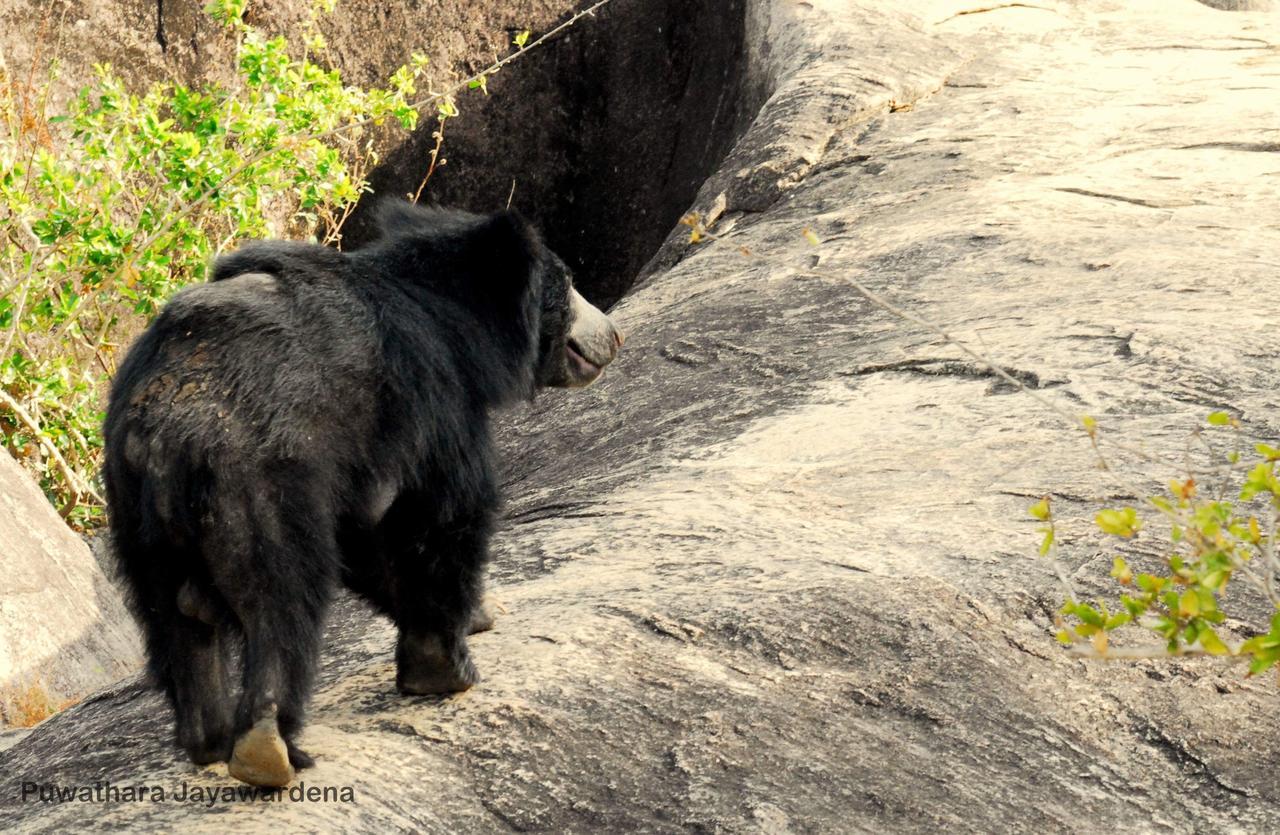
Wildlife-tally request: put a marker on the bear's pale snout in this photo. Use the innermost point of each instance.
(594, 341)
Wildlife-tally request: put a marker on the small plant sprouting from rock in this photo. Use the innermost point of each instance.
(1214, 536)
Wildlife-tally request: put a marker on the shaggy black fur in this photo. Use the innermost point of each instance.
(310, 417)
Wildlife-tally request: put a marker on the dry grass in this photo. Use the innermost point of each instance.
(22, 706)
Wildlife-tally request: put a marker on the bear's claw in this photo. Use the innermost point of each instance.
(298, 758)
(484, 616)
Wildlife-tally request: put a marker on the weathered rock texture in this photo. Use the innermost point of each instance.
(150, 40)
(1241, 5)
(63, 630)
(775, 573)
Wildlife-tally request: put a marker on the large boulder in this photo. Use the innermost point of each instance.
(64, 632)
(775, 572)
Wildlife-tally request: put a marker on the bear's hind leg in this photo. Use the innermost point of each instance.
(201, 690)
(279, 666)
(188, 659)
(484, 617)
(278, 584)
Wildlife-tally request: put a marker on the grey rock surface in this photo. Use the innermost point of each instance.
(1241, 5)
(64, 632)
(775, 572)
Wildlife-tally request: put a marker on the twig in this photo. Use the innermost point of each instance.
(1152, 652)
(435, 155)
(1269, 551)
(1068, 586)
(80, 487)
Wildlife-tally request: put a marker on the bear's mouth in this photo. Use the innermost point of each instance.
(584, 371)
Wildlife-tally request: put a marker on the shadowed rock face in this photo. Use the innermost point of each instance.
(774, 571)
(602, 137)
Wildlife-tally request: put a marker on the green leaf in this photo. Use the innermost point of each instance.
(1117, 620)
(1261, 479)
(1040, 510)
(521, 38)
(1134, 606)
(1212, 643)
(1124, 523)
(1163, 626)
(1215, 579)
(1251, 646)
(1268, 452)
(1189, 604)
(1262, 660)
(1087, 614)
(1219, 418)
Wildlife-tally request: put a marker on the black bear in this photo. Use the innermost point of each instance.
(310, 417)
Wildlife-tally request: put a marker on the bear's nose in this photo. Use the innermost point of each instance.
(593, 331)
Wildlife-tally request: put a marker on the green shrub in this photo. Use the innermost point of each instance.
(1209, 535)
(109, 208)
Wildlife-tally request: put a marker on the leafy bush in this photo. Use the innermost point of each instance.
(109, 208)
(1209, 536)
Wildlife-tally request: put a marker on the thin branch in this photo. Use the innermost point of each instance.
(77, 485)
(435, 156)
(1269, 552)
(1058, 568)
(1153, 651)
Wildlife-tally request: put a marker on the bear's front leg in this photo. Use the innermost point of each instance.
(438, 591)
(428, 663)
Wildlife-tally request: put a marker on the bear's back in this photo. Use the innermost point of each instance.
(252, 361)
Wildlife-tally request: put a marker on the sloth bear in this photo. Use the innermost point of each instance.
(310, 417)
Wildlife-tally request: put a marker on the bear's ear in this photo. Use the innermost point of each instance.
(397, 218)
(505, 248)
(511, 234)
